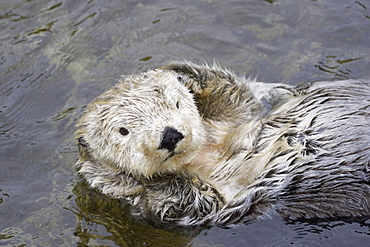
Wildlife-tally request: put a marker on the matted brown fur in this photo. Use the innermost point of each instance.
(197, 145)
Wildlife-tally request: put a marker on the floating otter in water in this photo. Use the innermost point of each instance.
(197, 145)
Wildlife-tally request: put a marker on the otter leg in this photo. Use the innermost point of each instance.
(219, 94)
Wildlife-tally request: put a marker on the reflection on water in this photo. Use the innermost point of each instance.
(333, 65)
(56, 56)
(104, 220)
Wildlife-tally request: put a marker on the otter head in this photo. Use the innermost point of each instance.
(146, 124)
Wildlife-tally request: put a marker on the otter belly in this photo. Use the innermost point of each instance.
(316, 158)
(335, 179)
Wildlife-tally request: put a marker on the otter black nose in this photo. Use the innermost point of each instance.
(170, 138)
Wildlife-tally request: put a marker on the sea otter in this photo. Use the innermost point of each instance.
(197, 145)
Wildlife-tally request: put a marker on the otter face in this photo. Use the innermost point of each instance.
(146, 124)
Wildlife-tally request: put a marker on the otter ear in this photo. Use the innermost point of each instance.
(81, 142)
(83, 150)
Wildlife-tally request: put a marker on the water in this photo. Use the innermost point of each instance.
(56, 56)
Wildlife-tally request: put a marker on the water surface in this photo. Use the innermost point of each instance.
(56, 56)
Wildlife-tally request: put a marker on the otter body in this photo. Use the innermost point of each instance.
(197, 145)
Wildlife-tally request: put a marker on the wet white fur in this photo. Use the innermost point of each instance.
(248, 147)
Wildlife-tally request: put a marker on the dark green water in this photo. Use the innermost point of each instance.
(56, 56)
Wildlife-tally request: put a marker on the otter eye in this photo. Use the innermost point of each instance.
(180, 79)
(177, 105)
(123, 131)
